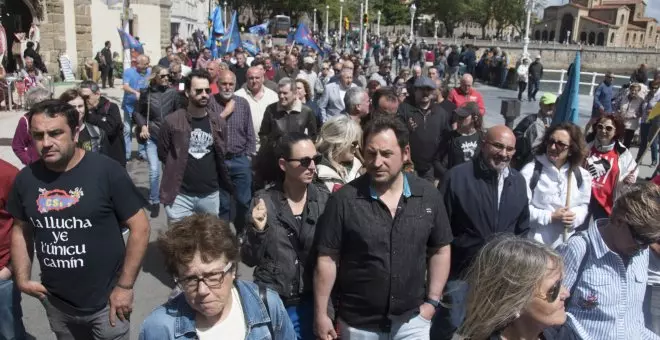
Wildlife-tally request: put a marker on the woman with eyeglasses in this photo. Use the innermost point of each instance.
(156, 101)
(202, 254)
(281, 226)
(558, 159)
(610, 164)
(515, 292)
(339, 142)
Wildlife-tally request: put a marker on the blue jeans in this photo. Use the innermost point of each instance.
(154, 170)
(644, 132)
(302, 317)
(651, 308)
(128, 124)
(240, 172)
(11, 322)
(533, 88)
(185, 205)
(403, 328)
(448, 318)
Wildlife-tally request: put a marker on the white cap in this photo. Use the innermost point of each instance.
(538, 56)
(308, 60)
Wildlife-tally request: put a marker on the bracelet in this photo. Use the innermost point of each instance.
(124, 287)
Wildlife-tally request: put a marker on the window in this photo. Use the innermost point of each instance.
(622, 19)
(612, 38)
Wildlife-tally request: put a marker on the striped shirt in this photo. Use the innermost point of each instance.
(607, 301)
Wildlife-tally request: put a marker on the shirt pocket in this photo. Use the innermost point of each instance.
(594, 291)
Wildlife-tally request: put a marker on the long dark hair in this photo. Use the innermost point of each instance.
(577, 150)
(266, 166)
(619, 127)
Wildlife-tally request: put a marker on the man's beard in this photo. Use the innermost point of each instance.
(225, 95)
(200, 103)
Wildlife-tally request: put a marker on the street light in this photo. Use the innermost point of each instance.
(327, 10)
(413, 8)
(314, 24)
(224, 15)
(437, 24)
(341, 16)
(530, 7)
(378, 25)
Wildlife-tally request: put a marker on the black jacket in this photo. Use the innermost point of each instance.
(38, 62)
(277, 122)
(426, 132)
(470, 194)
(282, 252)
(161, 102)
(107, 117)
(536, 70)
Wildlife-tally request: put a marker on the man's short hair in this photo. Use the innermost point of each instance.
(639, 208)
(53, 108)
(197, 73)
(107, 42)
(353, 97)
(89, 84)
(287, 81)
(387, 122)
(388, 92)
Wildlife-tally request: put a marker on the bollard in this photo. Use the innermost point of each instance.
(510, 110)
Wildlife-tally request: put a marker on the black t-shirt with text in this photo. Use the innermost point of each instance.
(76, 218)
(463, 148)
(201, 175)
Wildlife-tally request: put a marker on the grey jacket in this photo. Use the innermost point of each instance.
(331, 102)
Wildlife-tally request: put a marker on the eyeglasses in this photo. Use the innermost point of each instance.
(501, 147)
(608, 128)
(355, 145)
(306, 161)
(211, 280)
(163, 76)
(561, 146)
(205, 90)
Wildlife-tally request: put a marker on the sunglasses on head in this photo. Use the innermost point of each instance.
(306, 161)
(205, 90)
(608, 128)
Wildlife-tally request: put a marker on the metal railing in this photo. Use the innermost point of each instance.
(592, 84)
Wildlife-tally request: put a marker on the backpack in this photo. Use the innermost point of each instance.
(523, 153)
(537, 173)
(95, 134)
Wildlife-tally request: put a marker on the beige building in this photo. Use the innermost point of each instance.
(618, 23)
(79, 28)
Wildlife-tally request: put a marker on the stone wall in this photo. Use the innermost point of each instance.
(165, 28)
(52, 34)
(83, 31)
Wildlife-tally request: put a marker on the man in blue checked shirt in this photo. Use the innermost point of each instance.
(606, 269)
(135, 79)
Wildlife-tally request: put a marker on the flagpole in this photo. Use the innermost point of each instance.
(127, 51)
(230, 34)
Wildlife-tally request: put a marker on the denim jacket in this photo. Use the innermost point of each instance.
(176, 319)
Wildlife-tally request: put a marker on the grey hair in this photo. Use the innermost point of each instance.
(503, 279)
(353, 97)
(36, 95)
(286, 81)
(336, 137)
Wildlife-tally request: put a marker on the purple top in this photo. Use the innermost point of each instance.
(22, 143)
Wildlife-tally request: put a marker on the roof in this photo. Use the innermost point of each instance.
(573, 5)
(606, 7)
(624, 2)
(597, 21)
(634, 27)
(646, 19)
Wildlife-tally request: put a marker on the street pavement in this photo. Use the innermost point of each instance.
(154, 284)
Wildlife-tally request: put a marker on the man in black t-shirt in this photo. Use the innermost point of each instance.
(74, 218)
(192, 179)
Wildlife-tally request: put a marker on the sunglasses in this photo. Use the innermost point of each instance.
(163, 76)
(553, 292)
(561, 146)
(355, 145)
(608, 128)
(305, 162)
(205, 90)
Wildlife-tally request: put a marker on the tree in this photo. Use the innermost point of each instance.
(481, 12)
(519, 15)
(450, 12)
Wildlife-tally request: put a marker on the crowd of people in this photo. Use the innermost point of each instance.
(369, 207)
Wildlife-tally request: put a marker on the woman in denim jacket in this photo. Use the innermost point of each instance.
(202, 254)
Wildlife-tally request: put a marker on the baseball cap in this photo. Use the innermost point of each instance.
(548, 98)
(308, 60)
(424, 82)
(538, 57)
(462, 112)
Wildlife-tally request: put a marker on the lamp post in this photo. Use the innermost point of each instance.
(413, 8)
(364, 40)
(314, 24)
(378, 25)
(568, 37)
(327, 11)
(361, 24)
(435, 33)
(528, 22)
(224, 15)
(341, 17)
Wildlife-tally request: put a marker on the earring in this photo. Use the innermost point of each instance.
(517, 315)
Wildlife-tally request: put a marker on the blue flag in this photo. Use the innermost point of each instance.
(259, 30)
(216, 24)
(212, 44)
(130, 43)
(304, 37)
(289, 38)
(232, 40)
(250, 47)
(567, 108)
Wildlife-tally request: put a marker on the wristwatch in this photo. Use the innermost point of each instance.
(434, 303)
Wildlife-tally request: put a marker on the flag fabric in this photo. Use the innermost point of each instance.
(250, 47)
(259, 30)
(130, 43)
(567, 108)
(216, 24)
(289, 38)
(304, 37)
(655, 112)
(232, 40)
(212, 44)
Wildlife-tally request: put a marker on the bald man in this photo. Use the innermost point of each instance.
(257, 95)
(289, 69)
(483, 197)
(465, 93)
(134, 80)
(213, 68)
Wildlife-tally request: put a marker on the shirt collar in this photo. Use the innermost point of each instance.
(600, 248)
(406, 189)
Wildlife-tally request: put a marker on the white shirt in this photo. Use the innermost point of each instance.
(258, 107)
(549, 195)
(500, 185)
(232, 328)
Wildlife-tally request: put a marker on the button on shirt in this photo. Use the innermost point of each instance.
(382, 260)
(607, 302)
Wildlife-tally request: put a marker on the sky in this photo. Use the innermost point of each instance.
(652, 7)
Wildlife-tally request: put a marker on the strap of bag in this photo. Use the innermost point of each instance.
(264, 298)
(583, 264)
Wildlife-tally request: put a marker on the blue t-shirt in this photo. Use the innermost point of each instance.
(603, 96)
(136, 81)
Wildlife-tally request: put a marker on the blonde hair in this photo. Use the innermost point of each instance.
(639, 208)
(336, 137)
(503, 279)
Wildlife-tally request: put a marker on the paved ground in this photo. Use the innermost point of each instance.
(154, 285)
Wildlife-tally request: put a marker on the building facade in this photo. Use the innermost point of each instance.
(613, 23)
(189, 16)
